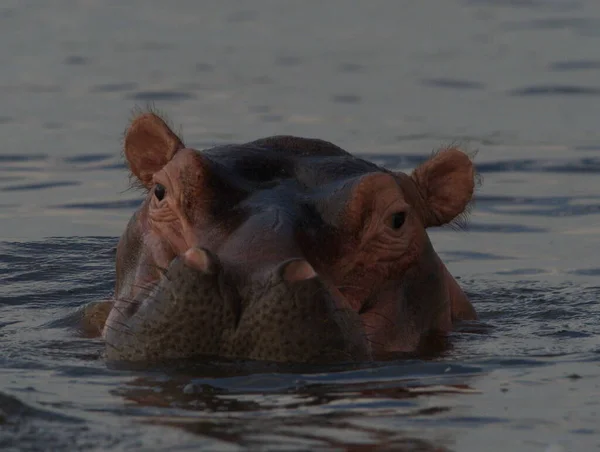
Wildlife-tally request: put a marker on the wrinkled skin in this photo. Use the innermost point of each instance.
(284, 249)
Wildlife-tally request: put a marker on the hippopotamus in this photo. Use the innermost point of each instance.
(283, 249)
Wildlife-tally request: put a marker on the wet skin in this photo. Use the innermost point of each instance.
(284, 249)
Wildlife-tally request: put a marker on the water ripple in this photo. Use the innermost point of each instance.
(346, 99)
(128, 204)
(504, 228)
(161, 96)
(16, 158)
(451, 83)
(575, 65)
(40, 186)
(582, 165)
(114, 87)
(88, 158)
(554, 90)
(76, 60)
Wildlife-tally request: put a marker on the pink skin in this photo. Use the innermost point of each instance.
(366, 246)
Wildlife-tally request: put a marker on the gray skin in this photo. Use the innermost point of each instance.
(284, 249)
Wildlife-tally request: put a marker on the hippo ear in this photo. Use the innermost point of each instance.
(149, 145)
(446, 183)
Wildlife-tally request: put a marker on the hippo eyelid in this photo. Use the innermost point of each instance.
(396, 220)
(396, 214)
(159, 191)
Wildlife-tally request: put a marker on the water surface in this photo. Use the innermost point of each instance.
(518, 81)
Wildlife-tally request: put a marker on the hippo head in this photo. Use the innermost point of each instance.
(284, 249)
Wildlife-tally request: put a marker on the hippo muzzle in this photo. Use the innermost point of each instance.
(197, 309)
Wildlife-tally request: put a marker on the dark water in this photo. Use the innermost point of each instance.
(517, 80)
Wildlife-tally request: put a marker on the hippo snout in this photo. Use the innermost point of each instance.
(202, 308)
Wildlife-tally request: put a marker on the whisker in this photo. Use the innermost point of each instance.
(118, 309)
(347, 287)
(127, 301)
(367, 337)
(114, 347)
(154, 266)
(157, 267)
(318, 291)
(390, 321)
(372, 342)
(112, 327)
(145, 287)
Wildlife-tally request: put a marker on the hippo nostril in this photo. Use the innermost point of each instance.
(297, 270)
(200, 259)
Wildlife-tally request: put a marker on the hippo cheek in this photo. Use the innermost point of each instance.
(404, 316)
(184, 315)
(293, 317)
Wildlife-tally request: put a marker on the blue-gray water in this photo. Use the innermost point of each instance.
(518, 80)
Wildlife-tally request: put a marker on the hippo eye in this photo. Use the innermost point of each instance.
(159, 191)
(397, 220)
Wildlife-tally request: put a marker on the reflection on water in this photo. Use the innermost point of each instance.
(516, 81)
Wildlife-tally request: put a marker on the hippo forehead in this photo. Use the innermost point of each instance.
(311, 163)
(286, 172)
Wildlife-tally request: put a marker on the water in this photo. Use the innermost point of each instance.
(516, 80)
